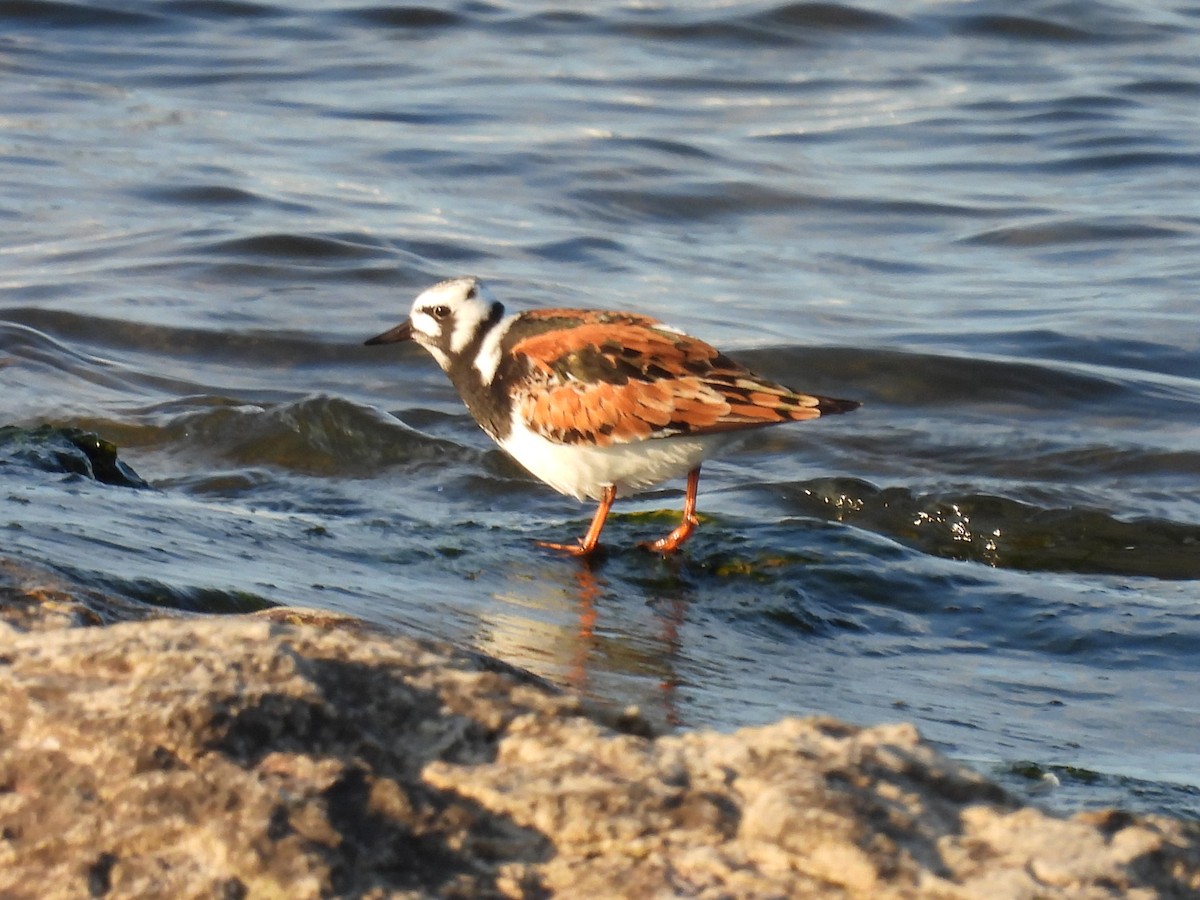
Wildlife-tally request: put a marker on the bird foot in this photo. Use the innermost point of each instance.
(579, 548)
(675, 539)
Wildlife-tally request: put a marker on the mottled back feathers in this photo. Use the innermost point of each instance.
(587, 376)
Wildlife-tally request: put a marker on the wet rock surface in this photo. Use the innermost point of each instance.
(73, 451)
(302, 755)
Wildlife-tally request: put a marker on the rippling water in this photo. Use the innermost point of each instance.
(980, 219)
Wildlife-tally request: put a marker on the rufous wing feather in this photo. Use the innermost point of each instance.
(608, 378)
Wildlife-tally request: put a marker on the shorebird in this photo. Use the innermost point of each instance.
(597, 404)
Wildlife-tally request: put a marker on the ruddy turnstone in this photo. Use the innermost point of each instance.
(597, 404)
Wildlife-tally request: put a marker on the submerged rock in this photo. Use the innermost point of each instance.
(268, 757)
(71, 451)
(35, 600)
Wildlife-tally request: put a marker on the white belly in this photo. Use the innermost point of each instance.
(584, 471)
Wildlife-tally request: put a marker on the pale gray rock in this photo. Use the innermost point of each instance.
(268, 756)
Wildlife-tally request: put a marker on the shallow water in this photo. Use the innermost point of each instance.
(982, 223)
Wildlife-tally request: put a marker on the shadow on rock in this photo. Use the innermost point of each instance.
(233, 757)
(388, 822)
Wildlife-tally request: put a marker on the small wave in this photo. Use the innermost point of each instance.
(785, 24)
(695, 202)
(657, 145)
(828, 17)
(782, 25)
(237, 10)
(1006, 533)
(1022, 115)
(1076, 231)
(46, 13)
(323, 436)
(185, 598)
(297, 245)
(1056, 23)
(594, 251)
(425, 252)
(217, 195)
(29, 343)
(46, 359)
(892, 266)
(403, 17)
(427, 114)
(1160, 87)
(703, 201)
(27, 340)
(1106, 352)
(1134, 159)
(1074, 162)
(808, 23)
(905, 379)
(1024, 28)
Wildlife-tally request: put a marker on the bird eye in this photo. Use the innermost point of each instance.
(473, 293)
(440, 312)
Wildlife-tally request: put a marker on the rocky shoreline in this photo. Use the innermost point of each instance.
(293, 754)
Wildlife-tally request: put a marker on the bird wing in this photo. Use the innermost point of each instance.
(614, 378)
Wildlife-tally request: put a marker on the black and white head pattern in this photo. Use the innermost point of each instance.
(452, 318)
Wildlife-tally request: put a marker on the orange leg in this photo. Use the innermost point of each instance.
(675, 539)
(587, 544)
